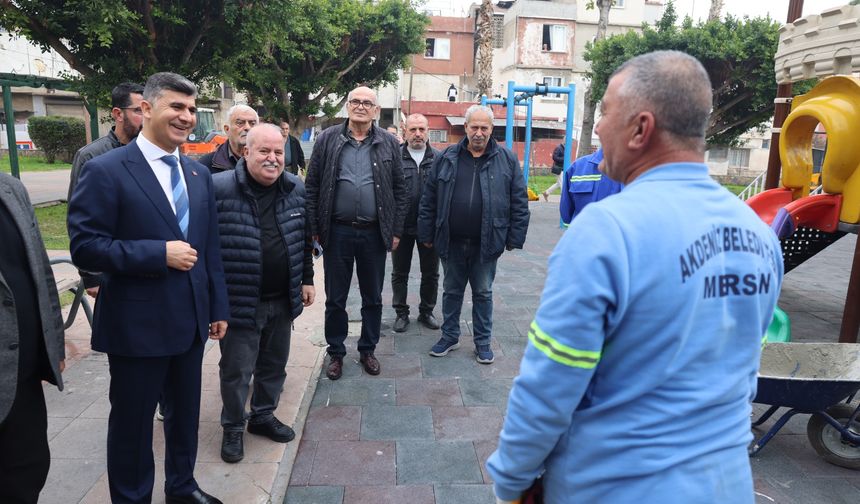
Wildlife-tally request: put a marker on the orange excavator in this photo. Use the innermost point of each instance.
(206, 136)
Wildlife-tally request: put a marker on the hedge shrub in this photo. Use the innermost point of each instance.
(57, 136)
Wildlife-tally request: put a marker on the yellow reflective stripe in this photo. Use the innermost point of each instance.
(764, 340)
(585, 178)
(560, 352)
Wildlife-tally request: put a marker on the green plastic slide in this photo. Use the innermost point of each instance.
(779, 330)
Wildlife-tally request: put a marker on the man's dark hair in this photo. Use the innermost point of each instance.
(120, 97)
(157, 83)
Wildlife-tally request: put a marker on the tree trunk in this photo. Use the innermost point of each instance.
(485, 49)
(590, 105)
(716, 10)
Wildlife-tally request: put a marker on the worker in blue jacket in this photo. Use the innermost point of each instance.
(637, 381)
(582, 183)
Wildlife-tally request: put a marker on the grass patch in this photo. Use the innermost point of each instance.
(66, 298)
(540, 183)
(31, 164)
(52, 224)
(735, 188)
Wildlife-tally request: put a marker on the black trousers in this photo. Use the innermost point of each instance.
(363, 248)
(401, 263)
(24, 455)
(136, 383)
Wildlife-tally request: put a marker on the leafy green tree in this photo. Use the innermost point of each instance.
(737, 53)
(302, 57)
(111, 41)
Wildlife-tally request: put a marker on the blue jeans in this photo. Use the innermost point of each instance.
(462, 265)
(363, 248)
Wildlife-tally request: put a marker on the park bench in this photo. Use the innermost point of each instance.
(75, 285)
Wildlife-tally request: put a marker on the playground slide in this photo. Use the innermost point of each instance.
(785, 216)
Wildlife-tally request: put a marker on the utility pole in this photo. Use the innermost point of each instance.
(782, 105)
(411, 78)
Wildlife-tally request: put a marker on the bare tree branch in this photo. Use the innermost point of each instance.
(146, 8)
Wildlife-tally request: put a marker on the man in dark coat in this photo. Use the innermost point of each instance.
(31, 337)
(474, 207)
(294, 156)
(356, 205)
(270, 277)
(418, 158)
(240, 120)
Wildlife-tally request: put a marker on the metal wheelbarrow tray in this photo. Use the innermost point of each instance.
(819, 379)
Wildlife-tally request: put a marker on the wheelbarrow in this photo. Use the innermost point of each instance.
(818, 379)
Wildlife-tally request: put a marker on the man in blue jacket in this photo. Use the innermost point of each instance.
(474, 207)
(270, 278)
(637, 382)
(583, 183)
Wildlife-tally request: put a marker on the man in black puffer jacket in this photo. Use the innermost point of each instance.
(269, 270)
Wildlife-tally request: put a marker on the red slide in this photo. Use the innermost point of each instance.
(768, 203)
(775, 207)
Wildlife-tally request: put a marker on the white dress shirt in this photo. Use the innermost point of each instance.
(153, 154)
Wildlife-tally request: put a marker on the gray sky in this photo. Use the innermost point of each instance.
(778, 9)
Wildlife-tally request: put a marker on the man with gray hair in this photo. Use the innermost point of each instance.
(240, 119)
(355, 208)
(655, 307)
(270, 279)
(145, 216)
(474, 207)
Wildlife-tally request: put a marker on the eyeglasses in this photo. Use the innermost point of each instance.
(361, 103)
(136, 110)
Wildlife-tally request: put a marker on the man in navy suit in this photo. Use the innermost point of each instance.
(146, 217)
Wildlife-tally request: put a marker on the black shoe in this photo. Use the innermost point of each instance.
(273, 429)
(196, 497)
(232, 447)
(400, 323)
(428, 321)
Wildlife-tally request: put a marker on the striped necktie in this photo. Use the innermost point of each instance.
(180, 196)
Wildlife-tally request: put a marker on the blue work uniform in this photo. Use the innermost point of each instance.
(582, 184)
(637, 381)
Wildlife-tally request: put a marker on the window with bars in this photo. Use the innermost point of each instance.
(438, 136)
(498, 31)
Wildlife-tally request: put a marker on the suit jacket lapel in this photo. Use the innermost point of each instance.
(142, 173)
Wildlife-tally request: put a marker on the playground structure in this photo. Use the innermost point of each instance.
(820, 45)
(519, 95)
(817, 379)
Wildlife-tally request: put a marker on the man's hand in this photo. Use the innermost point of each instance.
(180, 255)
(308, 295)
(63, 362)
(394, 243)
(93, 291)
(218, 329)
(428, 244)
